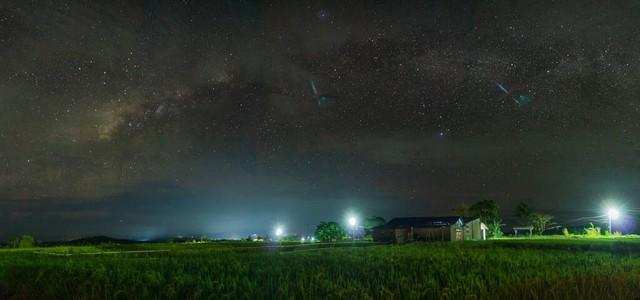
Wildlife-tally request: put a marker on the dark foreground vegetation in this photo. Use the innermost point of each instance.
(504, 269)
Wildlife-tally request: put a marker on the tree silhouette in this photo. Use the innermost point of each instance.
(330, 232)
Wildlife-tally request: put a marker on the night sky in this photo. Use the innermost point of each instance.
(152, 118)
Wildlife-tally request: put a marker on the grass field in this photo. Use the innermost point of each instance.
(501, 269)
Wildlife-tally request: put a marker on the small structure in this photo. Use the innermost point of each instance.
(400, 230)
(523, 228)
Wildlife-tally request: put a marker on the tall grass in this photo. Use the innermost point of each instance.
(501, 270)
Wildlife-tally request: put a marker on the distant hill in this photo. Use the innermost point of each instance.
(96, 240)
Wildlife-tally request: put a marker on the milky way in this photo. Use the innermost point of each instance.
(141, 119)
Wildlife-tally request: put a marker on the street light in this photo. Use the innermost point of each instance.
(353, 221)
(279, 232)
(613, 215)
(353, 224)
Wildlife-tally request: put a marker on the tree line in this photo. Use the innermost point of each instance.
(487, 210)
(334, 232)
(489, 214)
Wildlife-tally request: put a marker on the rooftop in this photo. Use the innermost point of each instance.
(426, 221)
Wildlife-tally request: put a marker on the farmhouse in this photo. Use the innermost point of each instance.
(400, 230)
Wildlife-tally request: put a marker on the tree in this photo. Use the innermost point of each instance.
(540, 222)
(488, 212)
(371, 222)
(26, 241)
(523, 212)
(330, 232)
(461, 210)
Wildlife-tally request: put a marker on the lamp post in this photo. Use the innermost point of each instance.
(279, 232)
(353, 223)
(613, 214)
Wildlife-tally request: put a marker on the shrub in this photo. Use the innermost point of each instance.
(592, 231)
(497, 232)
(614, 234)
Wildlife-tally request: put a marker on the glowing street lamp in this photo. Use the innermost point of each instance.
(279, 231)
(353, 224)
(613, 214)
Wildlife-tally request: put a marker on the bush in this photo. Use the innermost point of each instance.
(592, 231)
(614, 234)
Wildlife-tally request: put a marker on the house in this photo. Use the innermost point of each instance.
(400, 230)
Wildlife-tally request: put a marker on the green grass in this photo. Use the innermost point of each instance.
(501, 269)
